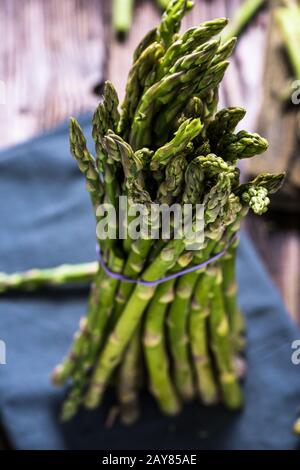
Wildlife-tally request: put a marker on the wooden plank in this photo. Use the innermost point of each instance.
(52, 55)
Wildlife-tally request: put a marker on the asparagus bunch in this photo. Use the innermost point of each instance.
(183, 337)
(169, 145)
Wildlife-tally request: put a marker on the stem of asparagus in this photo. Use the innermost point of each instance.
(288, 19)
(220, 342)
(178, 335)
(122, 14)
(162, 3)
(198, 330)
(236, 319)
(157, 361)
(129, 380)
(242, 18)
(57, 276)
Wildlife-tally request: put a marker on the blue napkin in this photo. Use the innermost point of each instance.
(46, 220)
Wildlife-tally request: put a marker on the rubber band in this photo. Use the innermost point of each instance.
(121, 277)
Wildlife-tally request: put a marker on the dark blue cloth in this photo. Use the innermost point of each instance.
(46, 220)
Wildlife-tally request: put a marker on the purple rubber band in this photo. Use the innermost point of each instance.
(121, 277)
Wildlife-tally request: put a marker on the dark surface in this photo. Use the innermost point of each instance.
(48, 221)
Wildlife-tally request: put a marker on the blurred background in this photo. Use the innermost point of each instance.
(55, 56)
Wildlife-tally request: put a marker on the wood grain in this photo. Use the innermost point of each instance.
(52, 54)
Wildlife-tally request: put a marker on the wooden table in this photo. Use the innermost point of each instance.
(55, 55)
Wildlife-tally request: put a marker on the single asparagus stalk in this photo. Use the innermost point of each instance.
(288, 19)
(106, 117)
(129, 380)
(225, 51)
(178, 335)
(145, 64)
(220, 342)
(244, 144)
(57, 276)
(148, 39)
(85, 162)
(163, 3)
(188, 130)
(224, 122)
(158, 365)
(236, 319)
(171, 21)
(122, 14)
(242, 17)
(198, 328)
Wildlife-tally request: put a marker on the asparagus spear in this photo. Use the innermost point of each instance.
(86, 162)
(39, 278)
(163, 3)
(129, 380)
(183, 138)
(241, 145)
(122, 13)
(243, 16)
(220, 343)
(206, 384)
(288, 19)
(224, 122)
(171, 20)
(157, 360)
(137, 79)
(236, 320)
